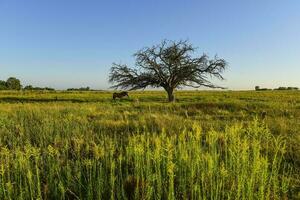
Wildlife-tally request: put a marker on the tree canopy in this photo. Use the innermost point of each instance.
(11, 83)
(170, 65)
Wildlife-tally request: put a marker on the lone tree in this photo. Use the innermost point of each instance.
(168, 65)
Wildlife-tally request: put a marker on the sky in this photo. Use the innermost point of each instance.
(72, 43)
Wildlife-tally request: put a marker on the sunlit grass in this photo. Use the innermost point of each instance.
(208, 145)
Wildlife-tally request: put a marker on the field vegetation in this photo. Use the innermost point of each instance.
(206, 145)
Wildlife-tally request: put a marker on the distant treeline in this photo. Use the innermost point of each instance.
(79, 89)
(257, 88)
(30, 87)
(13, 83)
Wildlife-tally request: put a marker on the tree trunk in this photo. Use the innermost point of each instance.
(171, 97)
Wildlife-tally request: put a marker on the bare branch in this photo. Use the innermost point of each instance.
(169, 65)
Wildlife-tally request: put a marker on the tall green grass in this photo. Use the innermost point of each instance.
(239, 163)
(206, 146)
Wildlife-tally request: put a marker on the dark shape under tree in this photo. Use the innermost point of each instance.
(120, 95)
(169, 65)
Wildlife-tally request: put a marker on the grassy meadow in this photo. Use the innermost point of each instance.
(207, 145)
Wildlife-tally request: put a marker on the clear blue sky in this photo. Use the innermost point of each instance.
(72, 43)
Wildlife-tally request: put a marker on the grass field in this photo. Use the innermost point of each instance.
(207, 145)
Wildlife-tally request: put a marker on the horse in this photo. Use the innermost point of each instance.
(120, 95)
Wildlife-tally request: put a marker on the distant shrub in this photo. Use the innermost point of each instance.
(257, 88)
(287, 88)
(293, 88)
(30, 87)
(282, 88)
(79, 89)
